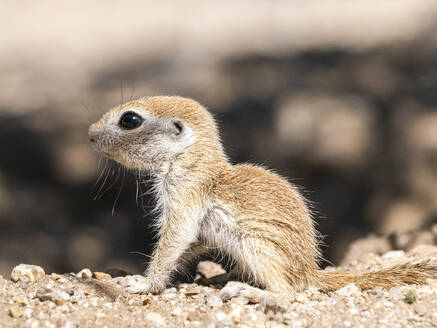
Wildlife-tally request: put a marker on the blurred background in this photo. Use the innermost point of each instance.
(339, 96)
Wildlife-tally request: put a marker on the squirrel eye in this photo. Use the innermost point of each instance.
(130, 121)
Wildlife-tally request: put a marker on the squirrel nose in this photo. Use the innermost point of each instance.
(93, 133)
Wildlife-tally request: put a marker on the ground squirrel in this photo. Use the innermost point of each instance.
(245, 211)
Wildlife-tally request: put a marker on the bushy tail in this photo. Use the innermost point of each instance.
(405, 274)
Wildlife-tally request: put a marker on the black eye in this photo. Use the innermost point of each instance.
(130, 121)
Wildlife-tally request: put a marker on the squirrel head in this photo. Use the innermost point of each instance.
(151, 134)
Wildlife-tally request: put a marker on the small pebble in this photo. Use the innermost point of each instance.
(176, 312)
(34, 324)
(27, 273)
(236, 311)
(192, 291)
(262, 307)
(15, 312)
(388, 304)
(220, 316)
(349, 290)
(132, 282)
(281, 307)
(240, 300)
(53, 294)
(23, 284)
(56, 276)
(193, 316)
(69, 324)
(420, 308)
(354, 311)
(202, 309)
(393, 255)
(301, 298)
(102, 276)
(155, 318)
(84, 274)
(27, 312)
(214, 301)
(20, 300)
(169, 295)
(210, 269)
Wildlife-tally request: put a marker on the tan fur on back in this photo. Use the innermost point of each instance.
(245, 211)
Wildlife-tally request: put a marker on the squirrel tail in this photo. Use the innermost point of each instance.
(405, 274)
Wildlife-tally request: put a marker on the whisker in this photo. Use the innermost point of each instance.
(131, 97)
(103, 184)
(100, 161)
(140, 253)
(93, 114)
(147, 193)
(114, 182)
(100, 176)
(143, 207)
(119, 192)
(137, 191)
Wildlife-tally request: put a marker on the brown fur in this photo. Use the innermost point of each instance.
(245, 211)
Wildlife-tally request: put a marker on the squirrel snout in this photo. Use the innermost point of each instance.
(93, 133)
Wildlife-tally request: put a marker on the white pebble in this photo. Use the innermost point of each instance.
(349, 290)
(155, 318)
(213, 300)
(53, 294)
(176, 312)
(353, 311)
(69, 324)
(27, 313)
(220, 316)
(301, 298)
(27, 272)
(297, 324)
(388, 304)
(236, 311)
(84, 274)
(393, 255)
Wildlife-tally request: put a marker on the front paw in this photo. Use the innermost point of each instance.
(140, 285)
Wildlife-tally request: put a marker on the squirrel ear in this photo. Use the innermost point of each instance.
(177, 128)
(181, 134)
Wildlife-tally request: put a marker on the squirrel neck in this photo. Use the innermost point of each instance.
(192, 174)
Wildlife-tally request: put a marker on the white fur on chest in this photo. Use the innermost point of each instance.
(218, 229)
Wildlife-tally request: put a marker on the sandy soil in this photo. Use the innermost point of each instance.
(82, 300)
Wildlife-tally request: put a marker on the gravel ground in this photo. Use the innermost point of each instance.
(85, 299)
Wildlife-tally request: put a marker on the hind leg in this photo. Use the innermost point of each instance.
(253, 294)
(259, 264)
(272, 294)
